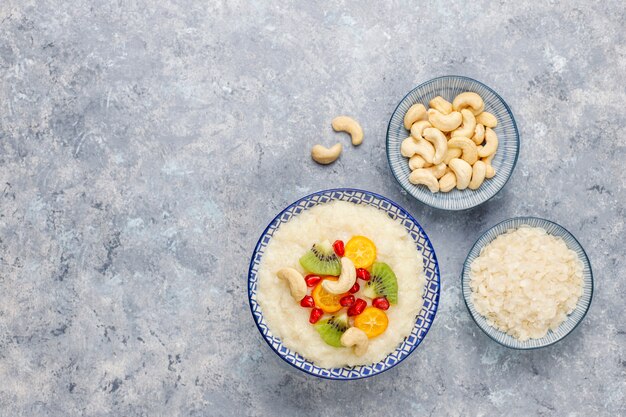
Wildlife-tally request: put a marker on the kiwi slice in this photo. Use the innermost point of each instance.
(383, 283)
(321, 260)
(331, 329)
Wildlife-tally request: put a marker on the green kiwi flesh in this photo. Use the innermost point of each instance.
(383, 283)
(332, 329)
(321, 260)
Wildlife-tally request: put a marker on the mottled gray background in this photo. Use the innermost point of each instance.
(144, 146)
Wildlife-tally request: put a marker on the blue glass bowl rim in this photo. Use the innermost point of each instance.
(409, 216)
(508, 110)
(465, 267)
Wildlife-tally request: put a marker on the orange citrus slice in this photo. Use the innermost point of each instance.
(328, 302)
(361, 251)
(372, 321)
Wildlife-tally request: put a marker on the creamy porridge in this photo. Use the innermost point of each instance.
(386, 313)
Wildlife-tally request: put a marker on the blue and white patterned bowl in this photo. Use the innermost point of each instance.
(572, 320)
(431, 293)
(506, 157)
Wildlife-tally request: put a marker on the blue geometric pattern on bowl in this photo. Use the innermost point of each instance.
(431, 291)
(506, 157)
(572, 320)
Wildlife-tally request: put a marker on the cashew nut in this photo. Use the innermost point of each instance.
(348, 124)
(438, 139)
(441, 104)
(447, 182)
(445, 122)
(438, 170)
(478, 175)
(490, 171)
(325, 156)
(463, 172)
(417, 162)
(296, 282)
(410, 147)
(451, 144)
(470, 152)
(491, 143)
(413, 114)
(479, 134)
(424, 176)
(418, 128)
(487, 119)
(451, 154)
(357, 338)
(468, 126)
(471, 100)
(346, 279)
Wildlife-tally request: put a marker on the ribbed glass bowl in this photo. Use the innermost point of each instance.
(504, 162)
(423, 320)
(572, 320)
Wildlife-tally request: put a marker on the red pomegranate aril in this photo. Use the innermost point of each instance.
(312, 280)
(307, 301)
(346, 300)
(357, 308)
(355, 288)
(339, 248)
(363, 274)
(380, 303)
(316, 314)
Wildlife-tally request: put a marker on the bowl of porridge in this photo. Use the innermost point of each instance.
(343, 284)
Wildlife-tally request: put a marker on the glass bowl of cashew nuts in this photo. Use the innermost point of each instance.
(452, 143)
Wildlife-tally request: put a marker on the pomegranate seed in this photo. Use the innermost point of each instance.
(347, 300)
(363, 274)
(357, 308)
(312, 280)
(307, 301)
(339, 248)
(355, 288)
(380, 303)
(316, 314)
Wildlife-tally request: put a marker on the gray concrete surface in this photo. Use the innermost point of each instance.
(144, 146)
